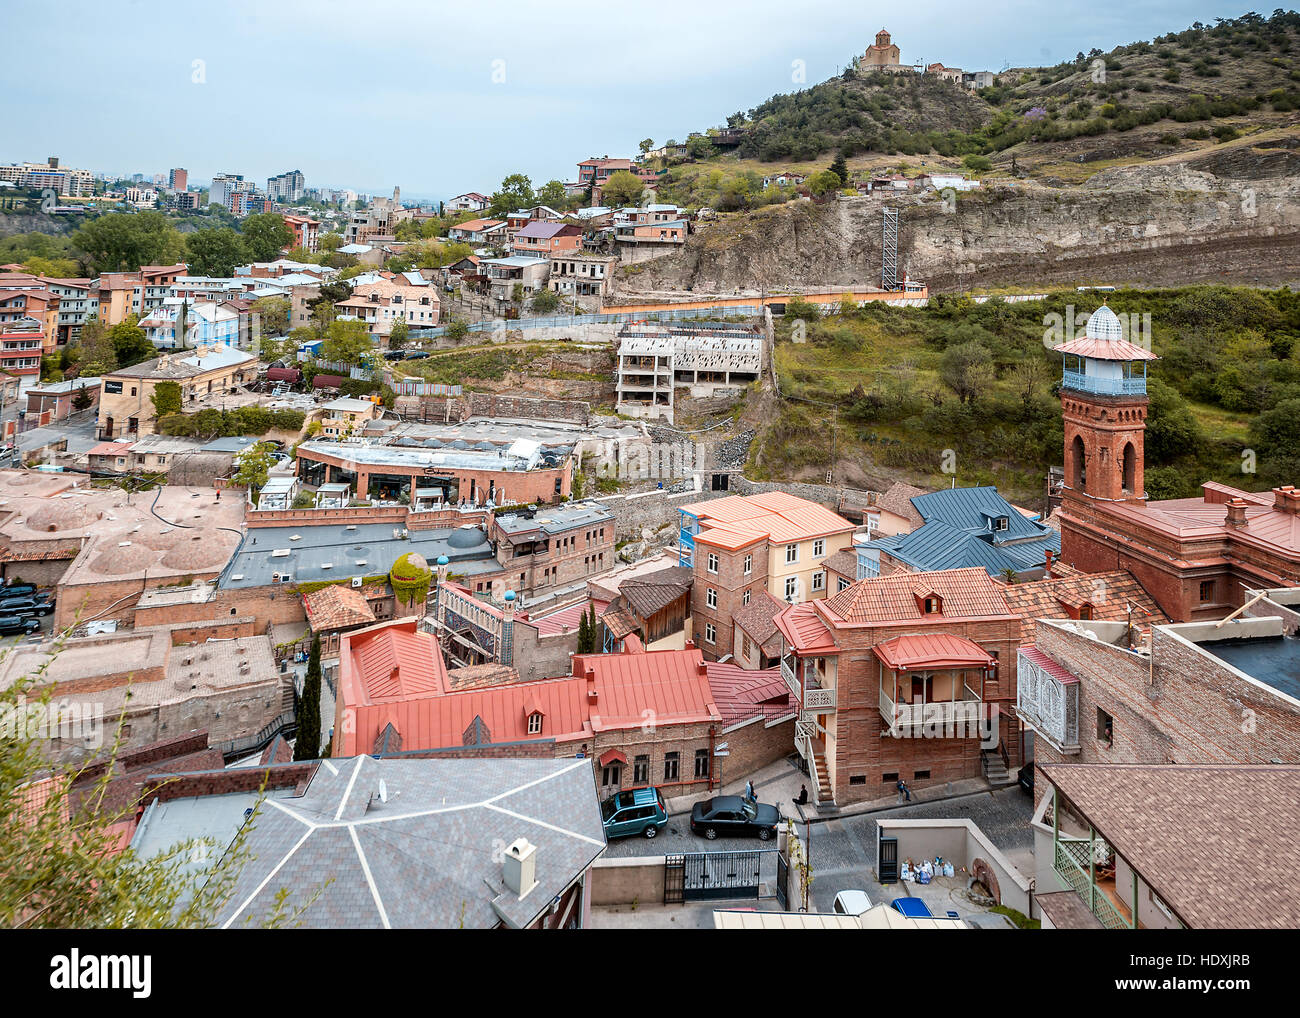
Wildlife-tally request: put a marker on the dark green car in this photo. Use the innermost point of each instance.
(637, 811)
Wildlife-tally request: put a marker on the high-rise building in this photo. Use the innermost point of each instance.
(178, 179)
(62, 180)
(225, 186)
(286, 187)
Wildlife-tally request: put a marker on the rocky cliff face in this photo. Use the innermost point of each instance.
(1232, 215)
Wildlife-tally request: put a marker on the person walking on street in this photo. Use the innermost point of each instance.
(904, 791)
(749, 791)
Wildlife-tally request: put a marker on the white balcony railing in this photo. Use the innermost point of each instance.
(960, 716)
(787, 673)
(819, 699)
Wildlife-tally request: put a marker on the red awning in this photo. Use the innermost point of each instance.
(942, 650)
(611, 756)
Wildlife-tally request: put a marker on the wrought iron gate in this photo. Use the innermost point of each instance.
(782, 880)
(674, 879)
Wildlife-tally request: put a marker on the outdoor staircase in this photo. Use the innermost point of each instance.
(995, 770)
(825, 795)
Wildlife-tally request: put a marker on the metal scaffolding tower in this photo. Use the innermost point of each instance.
(889, 246)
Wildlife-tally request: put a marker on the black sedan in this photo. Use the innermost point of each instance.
(733, 817)
(26, 606)
(11, 625)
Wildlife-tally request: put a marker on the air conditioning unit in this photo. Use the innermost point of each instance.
(356, 581)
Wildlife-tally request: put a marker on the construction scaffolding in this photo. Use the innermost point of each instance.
(889, 247)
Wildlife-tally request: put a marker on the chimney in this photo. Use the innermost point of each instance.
(1047, 568)
(1236, 512)
(519, 867)
(690, 645)
(701, 668)
(1286, 499)
(591, 685)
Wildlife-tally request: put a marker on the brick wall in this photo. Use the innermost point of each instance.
(730, 581)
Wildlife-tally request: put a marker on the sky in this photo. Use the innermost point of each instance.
(441, 98)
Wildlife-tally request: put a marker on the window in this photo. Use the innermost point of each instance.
(609, 775)
(857, 779)
(889, 778)
(919, 775)
(1085, 612)
(671, 769)
(744, 598)
(701, 763)
(713, 563)
(535, 725)
(1001, 523)
(1105, 728)
(791, 553)
(791, 587)
(710, 633)
(819, 547)
(641, 770)
(749, 564)
(819, 580)
(843, 584)
(933, 606)
(1207, 591)
(711, 597)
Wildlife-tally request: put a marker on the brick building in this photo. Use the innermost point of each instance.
(740, 546)
(1195, 555)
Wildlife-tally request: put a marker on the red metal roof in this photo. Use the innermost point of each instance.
(745, 693)
(931, 650)
(1106, 349)
(803, 628)
(610, 755)
(1036, 656)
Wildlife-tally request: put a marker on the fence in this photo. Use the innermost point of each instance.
(574, 321)
(708, 876)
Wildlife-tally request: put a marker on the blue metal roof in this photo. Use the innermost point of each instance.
(960, 531)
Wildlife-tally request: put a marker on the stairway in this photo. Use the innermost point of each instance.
(995, 770)
(825, 795)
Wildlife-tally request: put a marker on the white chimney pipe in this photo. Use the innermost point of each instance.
(519, 867)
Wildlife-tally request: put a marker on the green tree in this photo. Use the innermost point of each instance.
(120, 242)
(216, 252)
(348, 342)
(840, 168)
(166, 397)
(623, 188)
(700, 147)
(516, 193)
(967, 369)
(552, 193)
(398, 336)
(585, 642)
(96, 355)
(265, 236)
(824, 182)
(329, 241)
(1276, 438)
(82, 400)
(545, 301)
(306, 745)
(254, 465)
(645, 145)
(273, 315)
(130, 345)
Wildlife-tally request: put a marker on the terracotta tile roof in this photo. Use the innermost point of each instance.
(931, 650)
(1168, 823)
(744, 693)
(898, 500)
(758, 619)
(844, 563)
(737, 520)
(337, 607)
(966, 593)
(1109, 594)
(619, 623)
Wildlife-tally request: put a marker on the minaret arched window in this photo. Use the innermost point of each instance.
(1129, 467)
(1079, 476)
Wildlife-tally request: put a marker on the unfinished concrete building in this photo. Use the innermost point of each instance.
(654, 360)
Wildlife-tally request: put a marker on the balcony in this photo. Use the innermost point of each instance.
(1047, 699)
(1075, 861)
(1080, 382)
(787, 673)
(958, 718)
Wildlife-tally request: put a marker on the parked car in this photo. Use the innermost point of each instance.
(851, 903)
(732, 816)
(40, 597)
(11, 625)
(416, 355)
(914, 907)
(636, 811)
(18, 590)
(1025, 776)
(394, 355)
(25, 606)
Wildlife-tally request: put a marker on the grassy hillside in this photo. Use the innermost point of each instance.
(972, 387)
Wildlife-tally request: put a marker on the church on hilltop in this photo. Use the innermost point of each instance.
(883, 56)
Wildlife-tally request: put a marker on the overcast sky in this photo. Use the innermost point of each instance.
(441, 98)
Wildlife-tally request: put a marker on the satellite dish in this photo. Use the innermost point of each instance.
(383, 791)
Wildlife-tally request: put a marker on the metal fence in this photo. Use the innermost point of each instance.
(709, 876)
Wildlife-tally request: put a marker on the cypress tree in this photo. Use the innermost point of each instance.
(307, 745)
(584, 635)
(840, 168)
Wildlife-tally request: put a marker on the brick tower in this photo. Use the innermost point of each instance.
(1104, 401)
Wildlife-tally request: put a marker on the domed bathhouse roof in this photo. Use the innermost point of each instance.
(468, 536)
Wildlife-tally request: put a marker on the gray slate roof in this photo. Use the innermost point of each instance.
(429, 857)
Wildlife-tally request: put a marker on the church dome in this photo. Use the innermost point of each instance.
(1104, 324)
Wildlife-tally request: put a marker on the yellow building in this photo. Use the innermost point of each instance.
(126, 408)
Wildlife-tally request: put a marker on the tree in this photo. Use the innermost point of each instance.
(586, 644)
(265, 236)
(545, 301)
(700, 147)
(824, 182)
(516, 193)
(967, 369)
(166, 397)
(130, 344)
(95, 348)
(82, 399)
(329, 241)
(347, 342)
(120, 242)
(593, 626)
(215, 252)
(398, 336)
(255, 464)
(306, 745)
(623, 188)
(840, 168)
(552, 193)
(273, 315)
(646, 145)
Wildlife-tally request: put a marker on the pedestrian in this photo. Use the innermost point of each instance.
(903, 790)
(749, 791)
(218, 494)
(803, 796)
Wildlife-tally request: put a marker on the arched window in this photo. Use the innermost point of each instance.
(1079, 473)
(1129, 466)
